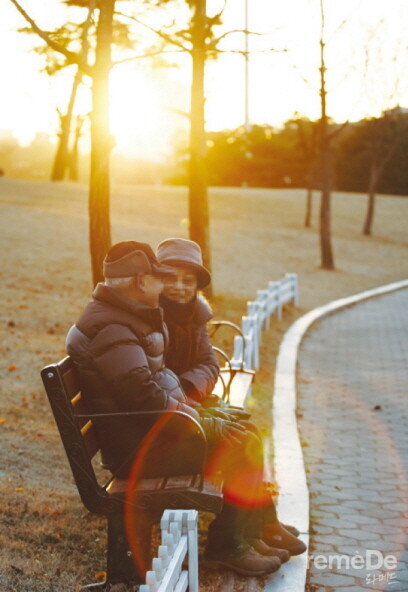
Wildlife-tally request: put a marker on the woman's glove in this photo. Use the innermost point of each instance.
(217, 429)
(237, 413)
(211, 401)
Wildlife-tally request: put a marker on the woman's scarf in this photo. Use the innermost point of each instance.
(179, 319)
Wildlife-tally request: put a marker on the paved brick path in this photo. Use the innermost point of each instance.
(356, 455)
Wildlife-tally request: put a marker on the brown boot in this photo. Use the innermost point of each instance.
(275, 535)
(292, 529)
(263, 549)
(244, 560)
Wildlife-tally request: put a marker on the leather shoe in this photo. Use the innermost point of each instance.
(263, 549)
(292, 529)
(276, 535)
(244, 560)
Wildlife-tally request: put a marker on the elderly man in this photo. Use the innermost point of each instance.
(118, 346)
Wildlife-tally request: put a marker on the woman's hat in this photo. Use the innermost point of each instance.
(180, 252)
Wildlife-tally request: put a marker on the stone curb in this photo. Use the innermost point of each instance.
(293, 500)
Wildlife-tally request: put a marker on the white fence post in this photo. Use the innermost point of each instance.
(179, 540)
(262, 298)
(275, 301)
(237, 360)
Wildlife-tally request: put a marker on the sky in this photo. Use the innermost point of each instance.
(366, 56)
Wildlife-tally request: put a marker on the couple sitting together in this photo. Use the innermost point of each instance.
(141, 344)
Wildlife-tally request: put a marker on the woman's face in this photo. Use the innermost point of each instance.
(182, 288)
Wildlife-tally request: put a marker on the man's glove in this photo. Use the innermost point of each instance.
(216, 430)
(214, 412)
(176, 405)
(189, 411)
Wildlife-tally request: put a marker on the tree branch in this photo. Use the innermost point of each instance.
(150, 54)
(237, 31)
(178, 112)
(72, 58)
(164, 36)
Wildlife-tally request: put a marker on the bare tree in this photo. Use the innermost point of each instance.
(327, 258)
(199, 41)
(308, 141)
(101, 140)
(385, 133)
(198, 192)
(74, 153)
(61, 161)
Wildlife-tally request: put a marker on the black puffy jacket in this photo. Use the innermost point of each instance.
(118, 346)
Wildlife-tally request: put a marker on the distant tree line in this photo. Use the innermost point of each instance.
(266, 156)
(35, 162)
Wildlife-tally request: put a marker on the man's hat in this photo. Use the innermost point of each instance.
(129, 258)
(181, 252)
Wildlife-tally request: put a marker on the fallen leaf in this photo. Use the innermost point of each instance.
(100, 576)
(56, 513)
(40, 435)
(377, 408)
(2, 421)
(12, 368)
(19, 489)
(24, 399)
(23, 306)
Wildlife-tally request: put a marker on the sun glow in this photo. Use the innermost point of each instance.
(137, 115)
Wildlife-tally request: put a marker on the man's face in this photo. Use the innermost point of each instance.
(152, 287)
(182, 287)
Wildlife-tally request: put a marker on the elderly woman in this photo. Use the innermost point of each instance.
(192, 359)
(186, 314)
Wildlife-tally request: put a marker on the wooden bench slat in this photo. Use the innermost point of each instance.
(180, 482)
(119, 485)
(219, 386)
(90, 439)
(187, 482)
(75, 400)
(240, 388)
(86, 427)
(70, 381)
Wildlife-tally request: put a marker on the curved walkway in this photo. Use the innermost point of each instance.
(353, 420)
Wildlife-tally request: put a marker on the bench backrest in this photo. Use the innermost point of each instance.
(77, 434)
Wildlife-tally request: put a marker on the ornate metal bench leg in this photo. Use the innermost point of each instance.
(120, 562)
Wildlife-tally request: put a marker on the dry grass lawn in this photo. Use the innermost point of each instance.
(47, 540)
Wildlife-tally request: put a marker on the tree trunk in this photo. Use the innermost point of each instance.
(101, 144)
(61, 156)
(372, 187)
(309, 201)
(198, 193)
(327, 260)
(74, 154)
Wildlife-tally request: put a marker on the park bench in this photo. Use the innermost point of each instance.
(143, 500)
(151, 495)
